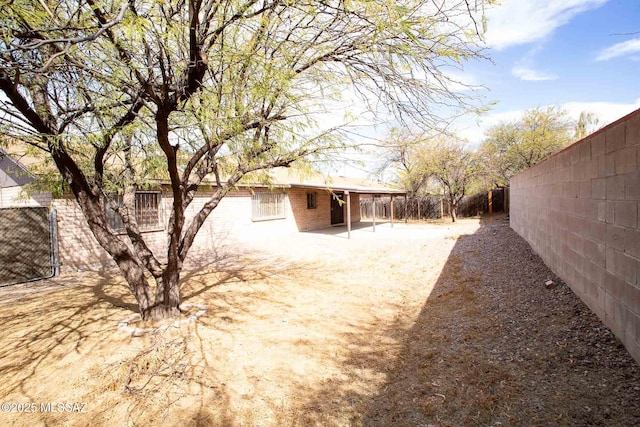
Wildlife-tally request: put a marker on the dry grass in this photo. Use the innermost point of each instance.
(385, 329)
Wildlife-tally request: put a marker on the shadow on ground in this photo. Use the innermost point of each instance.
(64, 332)
(490, 346)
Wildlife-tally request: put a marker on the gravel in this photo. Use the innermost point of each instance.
(494, 346)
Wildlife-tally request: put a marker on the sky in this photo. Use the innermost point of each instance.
(581, 55)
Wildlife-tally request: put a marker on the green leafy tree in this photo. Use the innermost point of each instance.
(453, 165)
(441, 163)
(116, 92)
(511, 147)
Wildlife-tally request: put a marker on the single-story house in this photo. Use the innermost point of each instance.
(291, 203)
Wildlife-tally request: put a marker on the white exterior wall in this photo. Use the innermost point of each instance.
(11, 197)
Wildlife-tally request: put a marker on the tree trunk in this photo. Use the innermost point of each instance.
(453, 208)
(168, 298)
(138, 283)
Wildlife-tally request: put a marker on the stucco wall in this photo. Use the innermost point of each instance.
(11, 197)
(579, 210)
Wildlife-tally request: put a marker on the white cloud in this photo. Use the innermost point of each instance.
(606, 112)
(620, 49)
(517, 22)
(529, 74)
(525, 68)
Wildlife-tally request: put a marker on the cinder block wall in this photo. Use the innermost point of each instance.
(579, 210)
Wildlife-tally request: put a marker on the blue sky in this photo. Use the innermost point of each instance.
(582, 55)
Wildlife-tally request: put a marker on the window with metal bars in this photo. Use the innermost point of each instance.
(266, 206)
(312, 200)
(147, 211)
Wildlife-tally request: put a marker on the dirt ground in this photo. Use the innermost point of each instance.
(415, 325)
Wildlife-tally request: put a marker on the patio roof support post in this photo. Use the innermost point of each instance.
(391, 211)
(346, 193)
(406, 209)
(373, 206)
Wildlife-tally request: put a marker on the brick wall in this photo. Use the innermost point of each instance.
(230, 222)
(579, 210)
(355, 208)
(320, 217)
(309, 219)
(78, 249)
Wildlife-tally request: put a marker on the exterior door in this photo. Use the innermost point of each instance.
(337, 208)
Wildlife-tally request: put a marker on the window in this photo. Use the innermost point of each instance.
(267, 206)
(147, 211)
(312, 200)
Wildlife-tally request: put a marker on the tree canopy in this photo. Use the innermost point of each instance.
(115, 92)
(511, 147)
(442, 161)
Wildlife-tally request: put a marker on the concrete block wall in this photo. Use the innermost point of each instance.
(579, 210)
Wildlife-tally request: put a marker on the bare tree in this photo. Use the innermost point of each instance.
(116, 92)
(401, 154)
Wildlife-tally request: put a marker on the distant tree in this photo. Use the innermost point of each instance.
(453, 165)
(115, 92)
(511, 147)
(402, 155)
(587, 124)
(441, 163)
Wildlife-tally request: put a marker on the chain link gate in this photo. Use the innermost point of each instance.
(28, 244)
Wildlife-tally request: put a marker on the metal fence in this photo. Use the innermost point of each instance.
(410, 208)
(433, 207)
(422, 208)
(28, 244)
